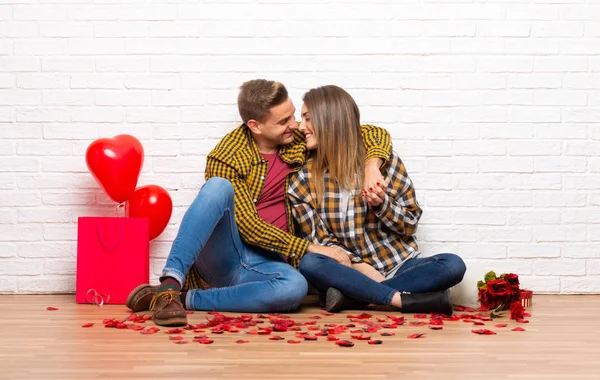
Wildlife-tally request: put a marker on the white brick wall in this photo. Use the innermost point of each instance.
(494, 106)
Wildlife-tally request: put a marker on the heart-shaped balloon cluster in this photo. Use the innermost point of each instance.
(116, 163)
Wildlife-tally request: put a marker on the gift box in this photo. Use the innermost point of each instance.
(112, 258)
(526, 297)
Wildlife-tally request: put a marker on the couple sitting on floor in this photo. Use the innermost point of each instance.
(328, 197)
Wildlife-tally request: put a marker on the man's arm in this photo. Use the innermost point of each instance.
(377, 142)
(379, 149)
(253, 230)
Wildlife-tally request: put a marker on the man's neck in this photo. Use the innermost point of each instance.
(266, 148)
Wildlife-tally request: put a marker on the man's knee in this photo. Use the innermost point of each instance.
(217, 189)
(291, 290)
(218, 185)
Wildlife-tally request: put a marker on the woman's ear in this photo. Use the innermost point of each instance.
(254, 126)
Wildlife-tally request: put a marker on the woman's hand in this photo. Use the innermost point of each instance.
(374, 183)
(334, 253)
(375, 196)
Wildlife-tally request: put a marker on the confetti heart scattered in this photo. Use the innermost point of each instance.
(483, 332)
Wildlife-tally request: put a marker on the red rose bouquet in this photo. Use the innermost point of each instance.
(499, 293)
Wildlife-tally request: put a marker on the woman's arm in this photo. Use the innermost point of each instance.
(369, 271)
(312, 226)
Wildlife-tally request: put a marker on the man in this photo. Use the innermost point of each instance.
(238, 234)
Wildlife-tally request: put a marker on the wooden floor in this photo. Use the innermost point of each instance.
(560, 342)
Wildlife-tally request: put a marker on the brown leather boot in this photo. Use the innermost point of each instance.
(167, 309)
(140, 298)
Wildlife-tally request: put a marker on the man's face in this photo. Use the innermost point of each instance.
(307, 128)
(279, 127)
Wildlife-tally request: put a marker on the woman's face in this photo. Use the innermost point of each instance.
(307, 128)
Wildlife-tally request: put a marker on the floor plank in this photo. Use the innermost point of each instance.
(561, 342)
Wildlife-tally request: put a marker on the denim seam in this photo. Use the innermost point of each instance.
(248, 267)
(435, 260)
(231, 217)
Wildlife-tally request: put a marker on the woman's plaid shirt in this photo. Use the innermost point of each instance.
(382, 237)
(237, 159)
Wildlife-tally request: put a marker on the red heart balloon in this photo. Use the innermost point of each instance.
(152, 202)
(116, 164)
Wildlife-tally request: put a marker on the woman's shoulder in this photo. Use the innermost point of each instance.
(304, 173)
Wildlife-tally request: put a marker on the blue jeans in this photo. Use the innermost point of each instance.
(418, 275)
(243, 278)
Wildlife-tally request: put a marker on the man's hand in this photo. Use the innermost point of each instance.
(335, 253)
(373, 176)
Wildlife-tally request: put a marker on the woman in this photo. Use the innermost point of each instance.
(375, 228)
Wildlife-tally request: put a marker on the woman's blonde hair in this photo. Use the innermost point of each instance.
(336, 120)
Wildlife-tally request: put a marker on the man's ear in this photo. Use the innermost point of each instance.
(254, 126)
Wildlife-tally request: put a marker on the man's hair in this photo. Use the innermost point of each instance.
(258, 96)
(340, 151)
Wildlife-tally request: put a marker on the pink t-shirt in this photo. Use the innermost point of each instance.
(271, 204)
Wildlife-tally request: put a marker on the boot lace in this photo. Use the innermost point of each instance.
(168, 296)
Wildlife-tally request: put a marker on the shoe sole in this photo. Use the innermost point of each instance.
(334, 300)
(133, 294)
(176, 321)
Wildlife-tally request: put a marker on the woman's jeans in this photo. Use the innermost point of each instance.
(243, 278)
(418, 275)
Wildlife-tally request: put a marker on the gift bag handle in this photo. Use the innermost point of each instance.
(110, 247)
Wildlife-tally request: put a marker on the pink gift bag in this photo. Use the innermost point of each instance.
(112, 258)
